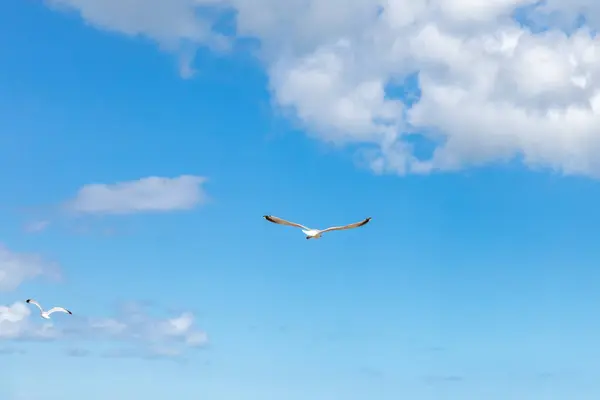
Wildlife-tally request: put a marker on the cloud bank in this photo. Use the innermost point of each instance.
(132, 332)
(489, 80)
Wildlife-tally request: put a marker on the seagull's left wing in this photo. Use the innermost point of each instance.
(58, 309)
(35, 303)
(280, 221)
(350, 226)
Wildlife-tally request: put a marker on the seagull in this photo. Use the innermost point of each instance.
(314, 233)
(46, 314)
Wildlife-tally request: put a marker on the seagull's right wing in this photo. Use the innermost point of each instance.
(58, 309)
(349, 226)
(35, 303)
(280, 221)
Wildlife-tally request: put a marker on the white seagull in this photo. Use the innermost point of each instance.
(46, 314)
(314, 233)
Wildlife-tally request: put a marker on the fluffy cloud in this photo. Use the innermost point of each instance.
(133, 330)
(490, 88)
(152, 194)
(15, 268)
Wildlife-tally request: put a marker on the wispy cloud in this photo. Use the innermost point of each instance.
(155, 353)
(77, 352)
(36, 226)
(11, 350)
(436, 379)
(146, 195)
(371, 372)
(151, 194)
(133, 331)
(435, 349)
(15, 268)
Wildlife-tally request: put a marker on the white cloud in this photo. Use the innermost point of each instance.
(491, 89)
(15, 268)
(11, 320)
(133, 332)
(152, 194)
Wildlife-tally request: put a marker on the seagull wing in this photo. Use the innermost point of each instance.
(58, 309)
(35, 303)
(280, 221)
(350, 226)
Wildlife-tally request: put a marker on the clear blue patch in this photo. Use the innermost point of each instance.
(528, 18)
(224, 21)
(423, 146)
(533, 18)
(408, 91)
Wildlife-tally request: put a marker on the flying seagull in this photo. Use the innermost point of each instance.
(46, 314)
(314, 233)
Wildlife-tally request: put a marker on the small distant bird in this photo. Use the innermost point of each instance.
(314, 233)
(46, 314)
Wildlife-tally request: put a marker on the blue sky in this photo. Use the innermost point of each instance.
(478, 282)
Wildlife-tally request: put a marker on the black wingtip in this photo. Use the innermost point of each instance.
(70, 312)
(28, 301)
